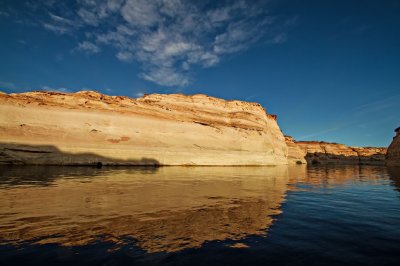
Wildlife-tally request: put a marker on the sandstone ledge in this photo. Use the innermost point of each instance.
(295, 154)
(335, 153)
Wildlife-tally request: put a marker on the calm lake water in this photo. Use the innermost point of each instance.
(297, 215)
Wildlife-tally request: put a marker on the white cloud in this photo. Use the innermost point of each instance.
(169, 37)
(165, 76)
(47, 88)
(4, 14)
(125, 56)
(88, 17)
(141, 12)
(280, 38)
(60, 25)
(56, 28)
(61, 20)
(88, 47)
(139, 94)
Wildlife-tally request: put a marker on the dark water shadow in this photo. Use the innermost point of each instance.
(24, 154)
(394, 175)
(317, 158)
(46, 175)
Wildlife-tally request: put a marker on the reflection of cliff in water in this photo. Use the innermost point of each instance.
(394, 174)
(336, 175)
(165, 209)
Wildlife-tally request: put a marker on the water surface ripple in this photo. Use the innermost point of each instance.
(283, 215)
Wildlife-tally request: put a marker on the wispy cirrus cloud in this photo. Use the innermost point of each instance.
(169, 38)
(377, 105)
(322, 132)
(88, 47)
(352, 117)
(4, 14)
(60, 25)
(48, 88)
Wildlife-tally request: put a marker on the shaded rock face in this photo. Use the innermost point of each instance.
(393, 152)
(296, 155)
(334, 153)
(91, 128)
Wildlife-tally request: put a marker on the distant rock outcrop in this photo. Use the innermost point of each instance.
(92, 128)
(295, 154)
(393, 152)
(334, 153)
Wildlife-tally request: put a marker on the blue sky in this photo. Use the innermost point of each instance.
(330, 70)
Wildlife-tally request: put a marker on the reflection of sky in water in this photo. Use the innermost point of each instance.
(171, 209)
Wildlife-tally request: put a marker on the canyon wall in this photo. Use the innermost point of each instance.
(334, 153)
(296, 155)
(393, 152)
(91, 128)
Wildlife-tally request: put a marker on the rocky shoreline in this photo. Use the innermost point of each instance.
(319, 152)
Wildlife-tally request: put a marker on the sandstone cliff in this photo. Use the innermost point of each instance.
(88, 128)
(393, 152)
(334, 153)
(295, 154)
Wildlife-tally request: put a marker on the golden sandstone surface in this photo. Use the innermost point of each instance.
(88, 127)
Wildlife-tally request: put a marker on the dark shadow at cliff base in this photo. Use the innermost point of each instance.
(329, 158)
(24, 154)
(394, 175)
(46, 175)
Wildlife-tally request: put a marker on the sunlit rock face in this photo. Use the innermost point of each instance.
(393, 152)
(88, 128)
(159, 209)
(334, 153)
(296, 155)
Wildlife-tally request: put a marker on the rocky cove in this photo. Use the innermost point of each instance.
(90, 128)
(319, 152)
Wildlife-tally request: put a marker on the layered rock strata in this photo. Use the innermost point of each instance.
(91, 128)
(296, 155)
(393, 152)
(334, 153)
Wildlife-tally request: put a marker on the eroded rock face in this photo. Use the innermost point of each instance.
(89, 128)
(334, 153)
(393, 152)
(296, 155)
